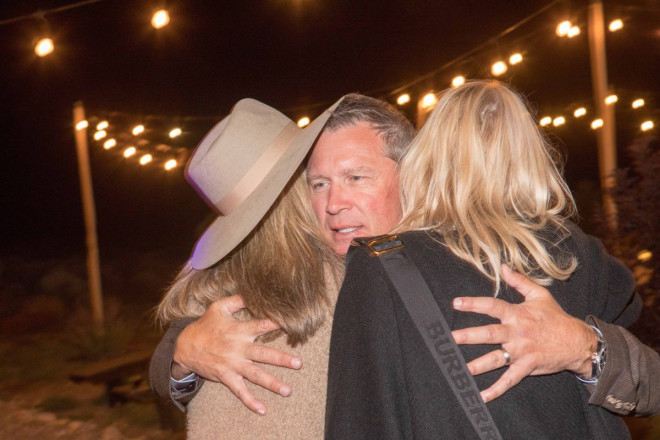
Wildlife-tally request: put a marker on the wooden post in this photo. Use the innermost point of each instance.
(89, 212)
(606, 137)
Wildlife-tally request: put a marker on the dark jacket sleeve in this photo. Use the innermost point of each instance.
(606, 283)
(630, 380)
(160, 373)
(366, 388)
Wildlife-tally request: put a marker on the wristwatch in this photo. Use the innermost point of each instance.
(597, 359)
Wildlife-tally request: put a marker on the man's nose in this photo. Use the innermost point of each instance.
(338, 200)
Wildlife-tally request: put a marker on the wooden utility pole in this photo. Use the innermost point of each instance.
(605, 136)
(89, 212)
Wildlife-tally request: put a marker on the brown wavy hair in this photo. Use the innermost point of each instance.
(281, 270)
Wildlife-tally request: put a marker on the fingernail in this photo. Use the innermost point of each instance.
(261, 411)
(285, 391)
(296, 362)
(484, 397)
(458, 303)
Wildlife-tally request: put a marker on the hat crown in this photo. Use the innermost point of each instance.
(232, 147)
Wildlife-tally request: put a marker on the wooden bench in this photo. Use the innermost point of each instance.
(126, 380)
(121, 376)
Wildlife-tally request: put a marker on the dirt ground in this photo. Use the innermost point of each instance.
(38, 401)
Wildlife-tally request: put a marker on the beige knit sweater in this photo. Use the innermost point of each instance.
(215, 413)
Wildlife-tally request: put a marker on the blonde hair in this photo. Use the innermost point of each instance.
(280, 270)
(480, 173)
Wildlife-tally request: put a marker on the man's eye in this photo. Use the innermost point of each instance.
(356, 178)
(318, 185)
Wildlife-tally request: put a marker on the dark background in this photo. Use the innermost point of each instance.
(296, 55)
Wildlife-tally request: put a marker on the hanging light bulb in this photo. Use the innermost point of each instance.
(100, 135)
(160, 19)
(611, 99)
(647, 125)
(596, 124)
(138, 129)
(546, 120)
(175, 132)
(170, 164)
(130, 151)
(303, 122)
(573, 31)
(515, 59)
(563, 28)
(498, 68)
(82, 125)
(44, 46)
(579, 112)
(429, 100)
(637, 103)
(615, 25)
(146, 159)
(102, 125)
(403, 99)
(458, 81)
(644, 255)
(559, 120)
(109, 143)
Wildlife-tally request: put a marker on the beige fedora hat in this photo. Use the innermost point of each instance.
(239, 169)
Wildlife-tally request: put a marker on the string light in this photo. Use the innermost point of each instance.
(429, 100)
(160, 19)
(615, 25)
(647, 125)
(403, 99)
(458, 81)
(515, 59)
(498, 68)
(596, 124)
(611, 99)
(100, 135)
(546, 120)
(130, 151)
(637, 103)
(303, 122)
(573, 32)
(170, 164)
(563, 28)
(579, 112)
(109, 143)
(102, 125)
(644, 255)
(82, 125)
(44, 47)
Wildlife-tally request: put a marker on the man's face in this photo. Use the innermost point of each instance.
(353, 185)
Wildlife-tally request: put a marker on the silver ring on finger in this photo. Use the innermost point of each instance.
(507, 357)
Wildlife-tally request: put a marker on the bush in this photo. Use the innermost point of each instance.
(637, 239)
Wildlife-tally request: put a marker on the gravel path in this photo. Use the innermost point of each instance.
(20, 423)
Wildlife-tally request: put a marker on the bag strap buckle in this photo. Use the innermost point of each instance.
(379, 245)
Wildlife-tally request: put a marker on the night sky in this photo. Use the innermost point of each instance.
(296, 55)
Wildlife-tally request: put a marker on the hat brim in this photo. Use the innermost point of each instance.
(228, 231)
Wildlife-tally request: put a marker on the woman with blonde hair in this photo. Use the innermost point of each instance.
(265, 246)
(479, 190)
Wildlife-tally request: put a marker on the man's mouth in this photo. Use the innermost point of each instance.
(346, 230)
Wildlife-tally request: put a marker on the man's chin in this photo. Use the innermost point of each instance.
(342, 244)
